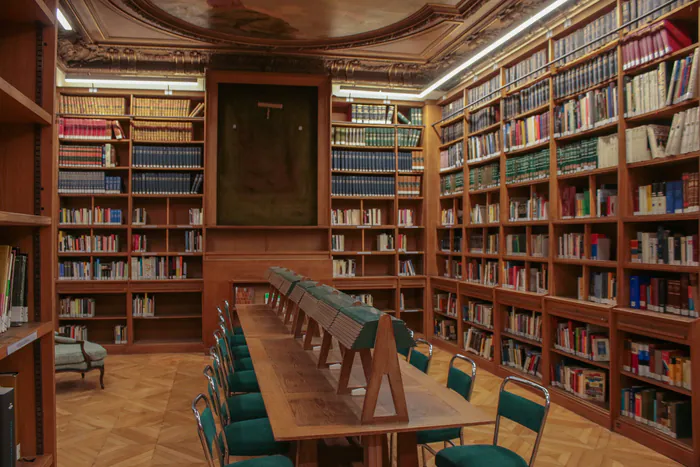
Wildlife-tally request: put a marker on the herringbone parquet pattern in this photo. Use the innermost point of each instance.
(143, 419)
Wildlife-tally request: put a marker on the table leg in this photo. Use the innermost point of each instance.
(307, 453)
(407, 449)
(376, 453)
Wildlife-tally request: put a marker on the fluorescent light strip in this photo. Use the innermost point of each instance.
(471, 61)
(98, 81)
(62, 20)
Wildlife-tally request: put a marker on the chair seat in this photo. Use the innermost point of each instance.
(238, 330)
(269, 461)
(243, 381)
(246, 407)
(236, 340)
(478, 455)
(242, 364)
(436, 436)
(240, 351)
(67, 354)
(252, 438)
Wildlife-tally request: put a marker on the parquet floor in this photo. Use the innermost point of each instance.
(143, 419)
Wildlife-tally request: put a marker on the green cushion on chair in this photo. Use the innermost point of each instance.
(269, 461)
(242, 364)
(419, 360)
(252, 438)
(241, 351)
(243, 381)
(478, 455)
(246, 407)
(238, 331)
(237, 340)
(436, 436)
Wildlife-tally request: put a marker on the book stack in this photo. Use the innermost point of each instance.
(526, 100)
(451, 184)
(597, 70)
(76, 307)
(150, 107)
(411, 161)
(586, 39)
(71, 155)
(676, 296)
(445, 303)
(539, 245)
(476, 243)
(522, 357)
(663, 361)
(664, 247)
(143, 305)
(484, 177)
(107, 216)
(344, 267)
(139, 217)
(492, 244)
(514, 275)
(452, 132)
(74, 270)
(484, 118)
(372, 113)
(574, 204)
(446, 329)
(385, 242)
(88, 183)
(196, 216)
(447, 217)
(602, 287)
(167, 156)
(583, 340)
(376, 137)
(600, 247)
(571, 245)
(158, 268)
(479, 313)
(139, 243)
(452, 109)
(584, 382)
(162, 131)
(478, 214)
(533, 166)
(410, 185)
(490, 276)
(338, 242)
(593, 109)
(346, 217)
(587, 154)
(408, 137)
(664, 411)
(89, 129)
(474, 271)
(406, 268)
(194, 241)
(110, 270)
(531, 68)
(91, 105)
(120, 334)
(158, 183)
(14, 266)
(483, 93)
(526, 132)
(74, 331)
(372, 216)
(516, 244)
(524, 209)
(479, 342)
(73, 216)
(452, 157)
(633, 10)
(406, 217)
(652, 43)
(669, 197)
(539, 278)
(244, 295)
(484, 146)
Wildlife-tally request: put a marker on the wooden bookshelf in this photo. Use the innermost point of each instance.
(177, 324)
(27, 86)
(465, 241)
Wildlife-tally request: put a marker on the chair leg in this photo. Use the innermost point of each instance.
(102, 377)
(82, 375)
(422, 451)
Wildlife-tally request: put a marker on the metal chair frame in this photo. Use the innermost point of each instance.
(220, 408)
(208, 454)
(430, 351)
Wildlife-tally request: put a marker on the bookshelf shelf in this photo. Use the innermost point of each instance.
(510, 371)
(94, 141)
(36, 461)
(536, 110)
(18, 337)
(656, 383)
(587, 173)
(665, 113)
(452, 196)
(483, 104)
(92, 318)
(683, 444)
(452, 119)
(654, 63)
(526, 84)
(452, 142)
(586, 262)
(484, 160)
(521, 339)
(450, 170)
(664, 161)
(537, 181)
(525, 150)
(605, 365)
(15, 107)
(661, 267)
(663, 217)
(586, 220)
(17, 219)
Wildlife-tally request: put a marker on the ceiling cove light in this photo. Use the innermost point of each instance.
(469, 62)
(62, 19)
(130, 82)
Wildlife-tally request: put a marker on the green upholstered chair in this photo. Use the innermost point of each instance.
(418, 359)
(235, 408)
(405, 350)
(227, 326)
(236, 329)
(215, 448)
(462, 383)
(522, 411)
(236, 381)
(78, 356)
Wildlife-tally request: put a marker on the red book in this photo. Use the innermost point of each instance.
(674, 33)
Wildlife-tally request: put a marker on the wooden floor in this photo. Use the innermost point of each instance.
(143, 418)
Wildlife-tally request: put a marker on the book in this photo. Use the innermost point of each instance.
(167, 156)
(11, 381)
(363, 161)
(481, 94)
(145, 305)
(667, 197)
(529, 131)
(452, 109)
(159, 183)
(452, 132)
(89, 129)
(445, 329)
(587, 154)
(587, 38)
(478, 342)
(160, 107)
(372, 113)
(484, 177)
(76, 307)
(650, 292)
(664, 246)
(666, 362)
(344, 267)
(74, 155)
(583, 340)
(581, 381)
(91, 105)
(8, 427)
(522, 357)
(88, 182)
(524, 100)
(144, 130)
(601, 68)
(362, 185)
(452, 157)
(484, 118)
(532, 166)
(158, 268)
(653, 42)
(478, 312)
(120, 334)
(530, 68)
(586, 111)
(451, 184)
(514, 275)
(409, 186)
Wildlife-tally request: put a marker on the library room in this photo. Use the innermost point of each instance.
(420, 233)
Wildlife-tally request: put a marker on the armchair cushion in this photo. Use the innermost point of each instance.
(70, 353)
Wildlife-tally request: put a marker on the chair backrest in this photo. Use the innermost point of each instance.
(419, 359)
(405, 350)
(459, 381)
(215, 396)
(206, 428)
(219, 368)
(225, 317)
(522, 411)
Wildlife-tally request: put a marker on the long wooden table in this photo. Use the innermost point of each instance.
(303, 405)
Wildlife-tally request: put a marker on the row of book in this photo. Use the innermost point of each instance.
(599, 69)
(409, 186)
(451, 184)
(88, 183)
(194, 241)
(535, 208)
(526, 132)
(451, 109)
(158, 267)
(586, 39)
(163, 131)
(571, 245)
(484, 118)
(99, 269)
(369, 216)
(649, 142)
(337, 242)
(414, 117)
(378, 161)
(372, 113)
(153, 107)
(406, 268)
(196, 216)
(68, 243)
(167, 156)
(652, 43)
(14, 305)
(639, 12)
(583, 340)
(664, 247)
(445, 329)
(121, 334)
(668, 197)
(665, 362)
(139, 243)
(484, 177)
(478, 342)
(158, 183)
(602, 287)
(408, 137)
(74, 331)
(89, 129)
(484, 146)
(360, 185)
(583, 382)
(587, 154)
(445, 303)
(526, 100)
(452, 132)
(593, 109)
(665, 295)
(407, 217)
(413, 161)
(516, 244)
(91, 105)
(573, 203)
(485, 273)
(529, 68)
(539, 245)
(452, 157)
(86, 216)
(385, 242)
(74, 155)
(402, 243)
(532, 166)
(664, 411)
(344, 267)
(514, 275)
(76, 307)
(483, 214)
(524, 323)
(479, 313)
(447, 217)
(521, 357)
(375, 137)
(143, 306)
(246, 295)
(484, 92)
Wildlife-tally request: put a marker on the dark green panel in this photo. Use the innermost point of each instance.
(267, 165)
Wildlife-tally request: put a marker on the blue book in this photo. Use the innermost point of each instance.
(670, 197)
(634, 292)
(678, 197)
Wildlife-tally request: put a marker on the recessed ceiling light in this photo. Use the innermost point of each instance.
(62, 19)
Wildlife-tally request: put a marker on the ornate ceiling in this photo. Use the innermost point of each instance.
(402, 42)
